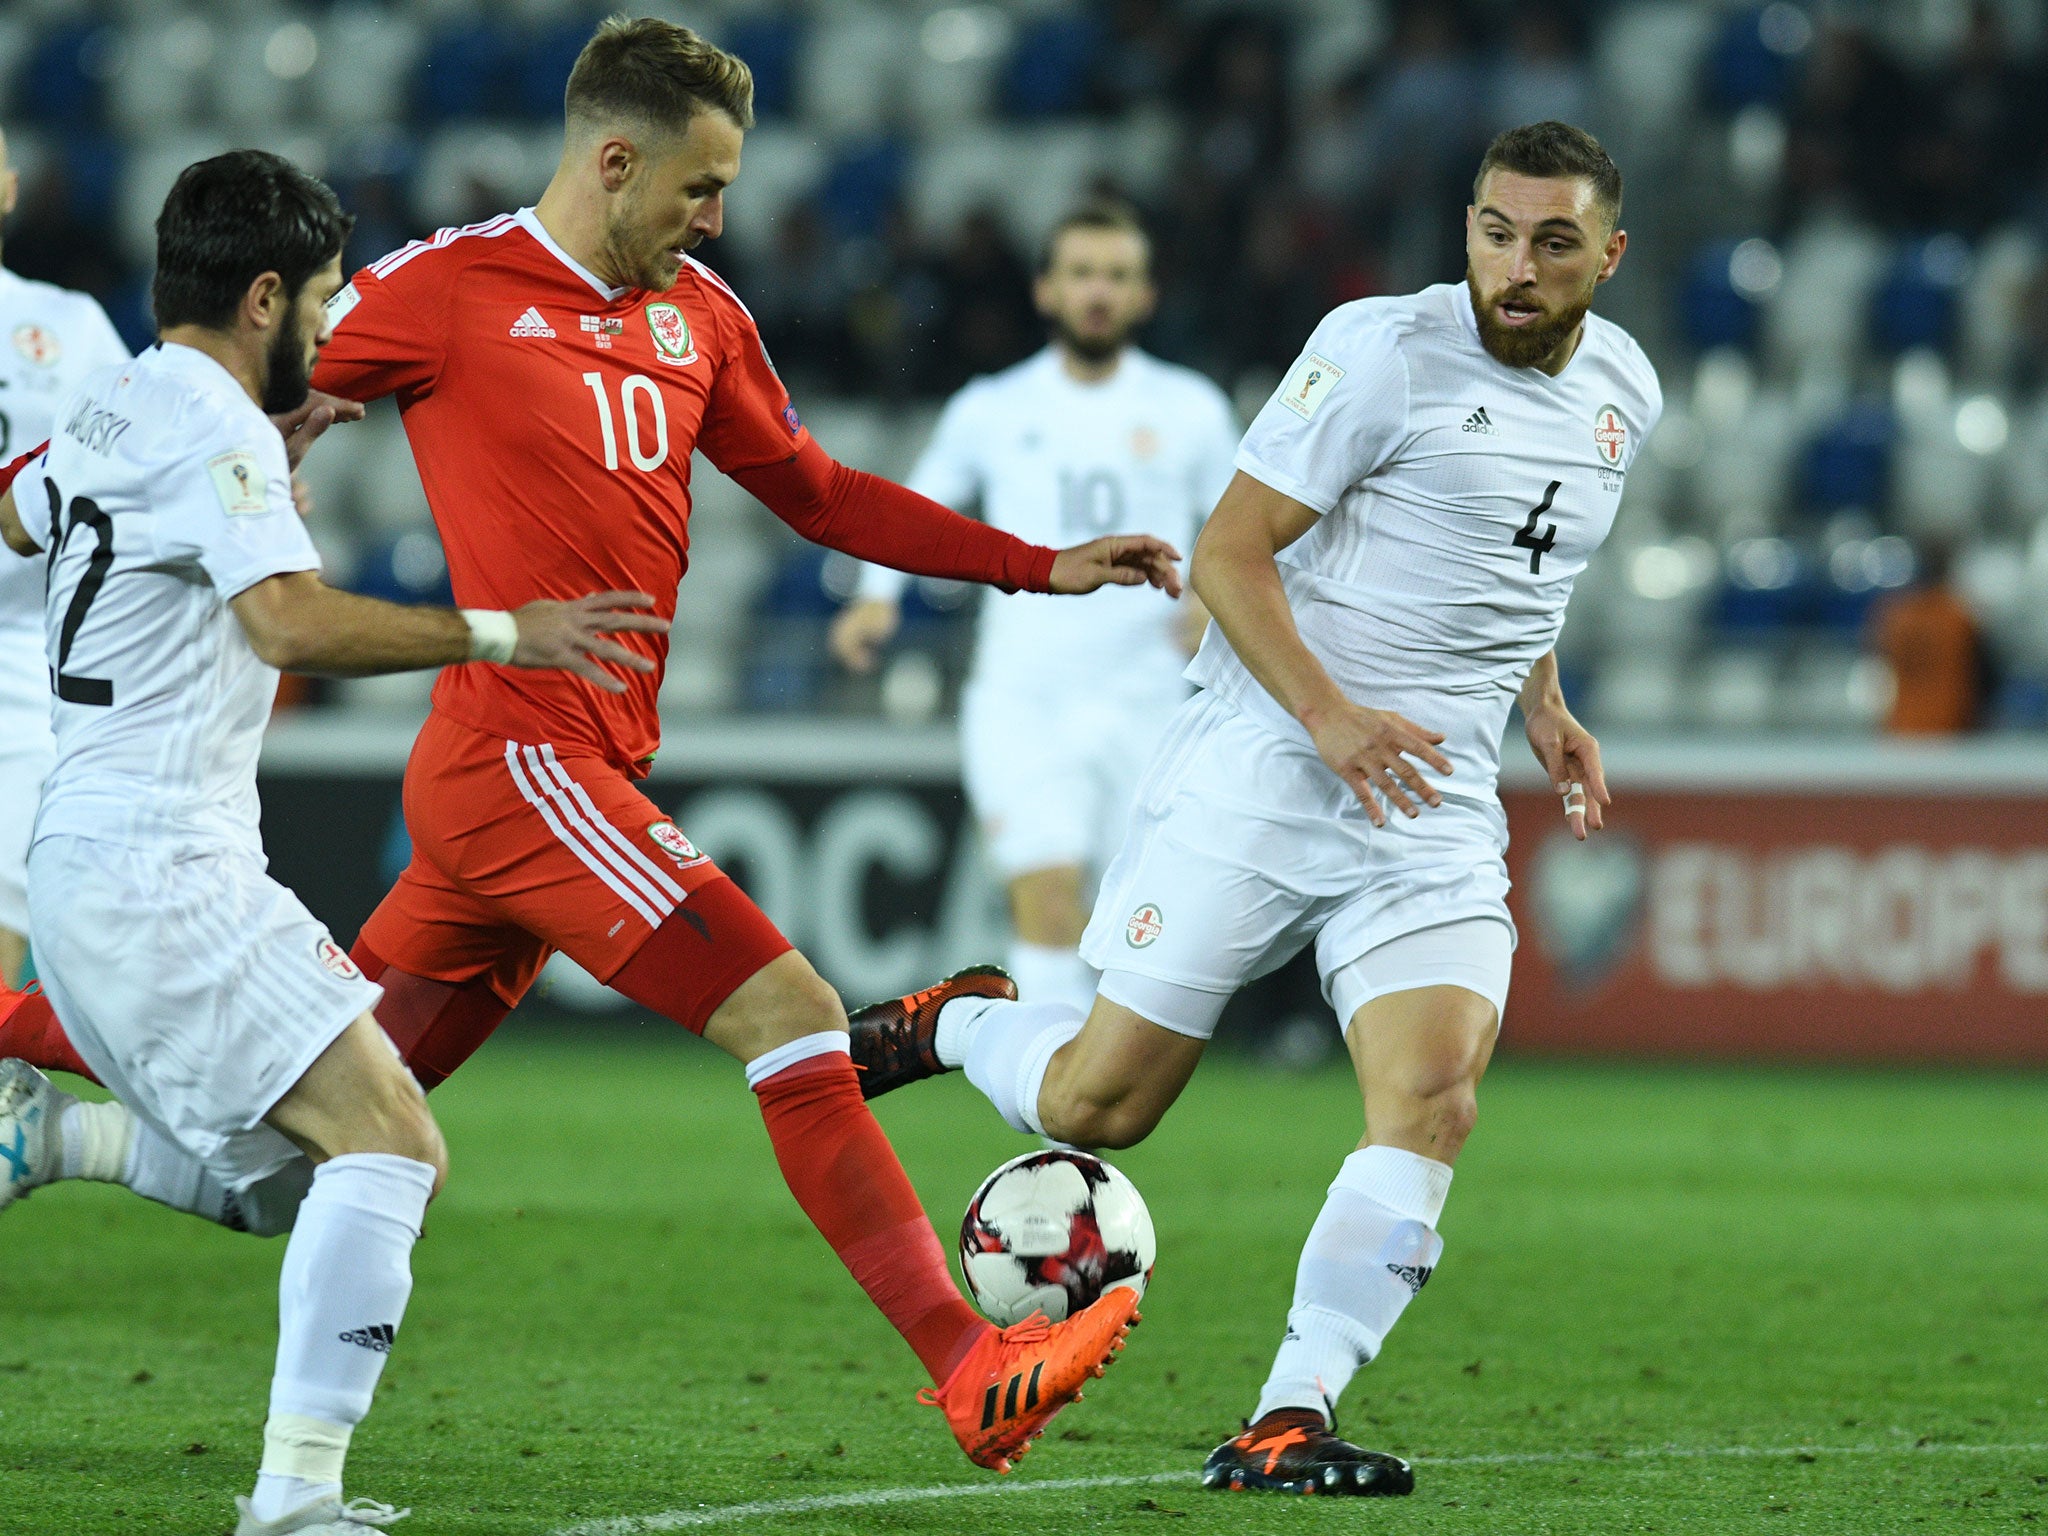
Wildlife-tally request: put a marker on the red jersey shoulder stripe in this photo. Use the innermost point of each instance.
(490, 228)
(722, 286)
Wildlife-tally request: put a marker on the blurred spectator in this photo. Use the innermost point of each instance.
(800, 297)
(1541, 74)
(1979, 133)
(985, 292)
(1931, 641)
(1854, 108)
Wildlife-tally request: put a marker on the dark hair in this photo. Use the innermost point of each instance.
(1110, 213)
(1555, 149)
(229, 220)
(655, 72)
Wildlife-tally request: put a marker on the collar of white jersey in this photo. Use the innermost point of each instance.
(201, 368)
(1469, 319)
(530, 222)
(1050, 359)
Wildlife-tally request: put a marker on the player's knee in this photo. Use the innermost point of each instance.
(1105, 1123)
(398, 1123)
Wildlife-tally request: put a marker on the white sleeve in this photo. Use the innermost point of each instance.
(227, 505)
(31, 490)
(948, 472)
(1337, 416)
(103, 344)
(1215, 456)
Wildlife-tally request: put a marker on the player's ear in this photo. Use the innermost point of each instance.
(617, 160)
(263, 302)
(1617, 242)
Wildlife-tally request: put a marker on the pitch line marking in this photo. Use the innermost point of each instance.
(732, 1514)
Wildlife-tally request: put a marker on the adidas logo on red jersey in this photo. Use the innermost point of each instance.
(531, 324)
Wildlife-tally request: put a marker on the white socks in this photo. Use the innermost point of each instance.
(1371, 1249)
(106, 1144)
(347, 1276)
(1046, 973)
(1005, 1048)
(97, 1140)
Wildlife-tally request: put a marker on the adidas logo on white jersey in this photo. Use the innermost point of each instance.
(531, 324)
(1478, 421)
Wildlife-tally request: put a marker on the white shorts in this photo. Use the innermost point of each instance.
(26, 752)
(1050, 776)
(1243, 848)
(197, 988)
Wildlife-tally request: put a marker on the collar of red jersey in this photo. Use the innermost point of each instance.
(530, 222)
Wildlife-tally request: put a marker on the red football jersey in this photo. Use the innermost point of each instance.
(552, 418)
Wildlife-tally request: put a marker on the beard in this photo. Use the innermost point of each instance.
(1097, 348)
(635, 256)
(288, 378)
(1525, 346)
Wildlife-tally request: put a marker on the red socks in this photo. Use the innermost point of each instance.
(845, 1175)
(32, 1033)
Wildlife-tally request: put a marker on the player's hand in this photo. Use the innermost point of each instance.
(1571, 757)
(863, 627)
(1121, 560)
(570, 636)
(302, 496)
(1370, 749)
(302, 427)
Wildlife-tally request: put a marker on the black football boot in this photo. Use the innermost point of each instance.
(893, 1041)
(1291, 1450)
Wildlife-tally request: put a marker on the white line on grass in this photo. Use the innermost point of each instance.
(731, 1514)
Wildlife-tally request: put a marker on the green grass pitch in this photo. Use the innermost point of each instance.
(1671, 1300)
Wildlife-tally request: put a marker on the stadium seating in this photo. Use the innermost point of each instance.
(1838, 372)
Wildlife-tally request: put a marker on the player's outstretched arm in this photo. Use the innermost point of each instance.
(1119, 560)
(884, 523)
(1565, 748)
(297, 623)
(1235, 574)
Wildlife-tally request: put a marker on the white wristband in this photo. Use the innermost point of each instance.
(493, 634)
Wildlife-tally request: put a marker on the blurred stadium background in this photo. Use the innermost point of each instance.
(1838, 215)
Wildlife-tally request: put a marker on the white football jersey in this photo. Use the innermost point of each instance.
(50, 339)
(165, 493)
(1059, 462)
(1460, 499)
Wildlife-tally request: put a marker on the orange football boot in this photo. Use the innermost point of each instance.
(1001, 1397)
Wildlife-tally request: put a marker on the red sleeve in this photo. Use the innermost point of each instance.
(384, 343)
(12, 470)
(879, 521)
(749, 420)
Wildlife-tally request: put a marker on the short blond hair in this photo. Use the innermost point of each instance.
(654, 72)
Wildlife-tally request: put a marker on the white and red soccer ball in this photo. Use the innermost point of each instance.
(1051, 1232)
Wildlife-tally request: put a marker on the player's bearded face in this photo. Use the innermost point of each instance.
(290, 371)
(644, 247)
(1096, 291)
(1549, 323)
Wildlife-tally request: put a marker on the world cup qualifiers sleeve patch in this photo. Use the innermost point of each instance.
(1310, 383)
(342, 302)
(238, 481)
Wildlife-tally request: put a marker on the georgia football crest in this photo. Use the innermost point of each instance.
(336, 959)
(669, 837)
(1144, 926)
(1610, 436)
(39, 345)
(673, 342)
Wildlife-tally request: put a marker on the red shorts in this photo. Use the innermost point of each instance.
(517, 852)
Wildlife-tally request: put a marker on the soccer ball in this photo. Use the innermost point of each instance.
(1050, 1232)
